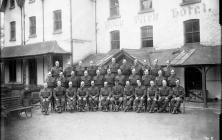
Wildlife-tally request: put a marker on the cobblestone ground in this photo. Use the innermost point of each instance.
(193, 125)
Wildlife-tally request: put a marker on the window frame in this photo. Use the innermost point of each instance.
(144, 10)
(12, 71)
(31, 1)
(191, 21)
(57, 21)
(32, 26)
(186, 2)
(111, 8)
(13, 31)
(149, 37)
(10, 4)
(114, 39)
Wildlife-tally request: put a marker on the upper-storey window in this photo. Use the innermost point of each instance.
(115, 39)
(147, 36)
(12, 31)
(12, 4)
(146, 5)
(57, 15)
(114, 8)
(192, 31)
(31, 1)
(184, 2)
(32, 26)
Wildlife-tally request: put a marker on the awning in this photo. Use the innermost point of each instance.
(42, 48)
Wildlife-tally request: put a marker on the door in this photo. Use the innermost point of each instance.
(32, 65)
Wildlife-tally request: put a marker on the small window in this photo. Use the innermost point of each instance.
(31, 1)
(147, 36)
(115, 40)
(57, 20)
(12, 71)
(12, 4)
(192, 31)
(184, 2)
(114, 8)
(32, 26)
(12, 31)
(146, 5)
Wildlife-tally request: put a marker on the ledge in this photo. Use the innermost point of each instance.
(114, 17)
(12, 40)
(33, 36)
(191, 2)
(146, 11)
(57, 32)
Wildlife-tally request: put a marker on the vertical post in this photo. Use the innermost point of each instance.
(49, 62)
(203, 72)
(43, 65)
(21, 28)
(24, 61)
(43, 22)
(71, 39)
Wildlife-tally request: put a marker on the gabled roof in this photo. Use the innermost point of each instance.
(32, 50)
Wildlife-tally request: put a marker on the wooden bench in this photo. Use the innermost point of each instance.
(14, 104)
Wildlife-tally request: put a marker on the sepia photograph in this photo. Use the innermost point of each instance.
(110, 69)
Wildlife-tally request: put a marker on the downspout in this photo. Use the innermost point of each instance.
(71, 38)
(96, 25)
(21, 28)
(24, 23)
(43, 22)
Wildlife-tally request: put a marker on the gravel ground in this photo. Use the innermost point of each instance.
(193, 125)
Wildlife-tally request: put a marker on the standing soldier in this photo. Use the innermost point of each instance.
(128, 97)
(140, 93)
(121, 78)
(133, 78)
(51, 82)
(63, 80)
(80, 69)
(67, 71)
(146, 66)
(59, 95)
(155, 68)
(167, 69)
(137, 67)
(82, 97)
(93, 96)
(98, 79)
(146, 78)
(125, 68)
(91, 69)
(75, 80)
(105, 94)
(117, 96)
(152, 93)
(103, 70)
(56, 70)
(114, 66)
(172, 79)
(109, 77)
(178, 95)
(165, 94)
(45, 96)
(159, 79)
(71, 97)
(86, 79)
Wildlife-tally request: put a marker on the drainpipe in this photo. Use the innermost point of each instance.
(21, 28)
(43, 22)
(24, 23)
(71, 38)
(96, 25)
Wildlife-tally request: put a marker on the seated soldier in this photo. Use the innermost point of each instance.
(59, 95)
(140, 93)
(45, 97)
(82, 97)
(133, 78)
(86, 79)
(121, 78)
(93, 97)
(146, 78)
(71, 97)
(105, 94)
(165, 94)
(117, 97)
(128, 97)
(109, 78)
(51, 82)
(64, 81)
(98, 79)
(152, 95)
(177, 97)
(159, 79)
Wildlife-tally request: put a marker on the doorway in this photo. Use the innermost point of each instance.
(32, 65)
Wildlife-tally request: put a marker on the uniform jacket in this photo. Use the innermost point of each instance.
(140, 91)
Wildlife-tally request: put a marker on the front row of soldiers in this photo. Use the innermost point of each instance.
(137, 98)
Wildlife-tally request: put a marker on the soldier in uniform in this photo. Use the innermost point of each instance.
(155, 68)
(63, 80)
(82, 97)
(75, 80)
(105, 94)
(159, 79)
(140, 93)
(51, 82)
(117, 96)
(59, 95)
(71, 97)
(137, 67)
(152, 94)
(80, 69)
(128, 97)
(165, 94)
(172, 79)
(109, 77)
(114, 66)
(86, 79)
(177, 98)
(91, 69)
(99, 79)
(45, 97)
(56, 70)
(146, 78)
(167, 69)
(146, 66)
(133, 78)
(121, 78)
(125, 68)
(67, 71)
(93, 97)
(103, 70)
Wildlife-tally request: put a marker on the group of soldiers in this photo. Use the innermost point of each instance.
(136, 87)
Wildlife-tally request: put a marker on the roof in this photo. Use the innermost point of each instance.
(32, 50)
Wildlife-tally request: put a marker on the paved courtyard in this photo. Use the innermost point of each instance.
(195, 124)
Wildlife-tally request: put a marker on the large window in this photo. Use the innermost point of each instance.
(192, 31)
(32, 26)
(147, 36)
(12, 31)
(114, 8)
(190, 1)
(12, 4)
(146, 5)
(57, 20)
(12, 71)
(115, 40)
